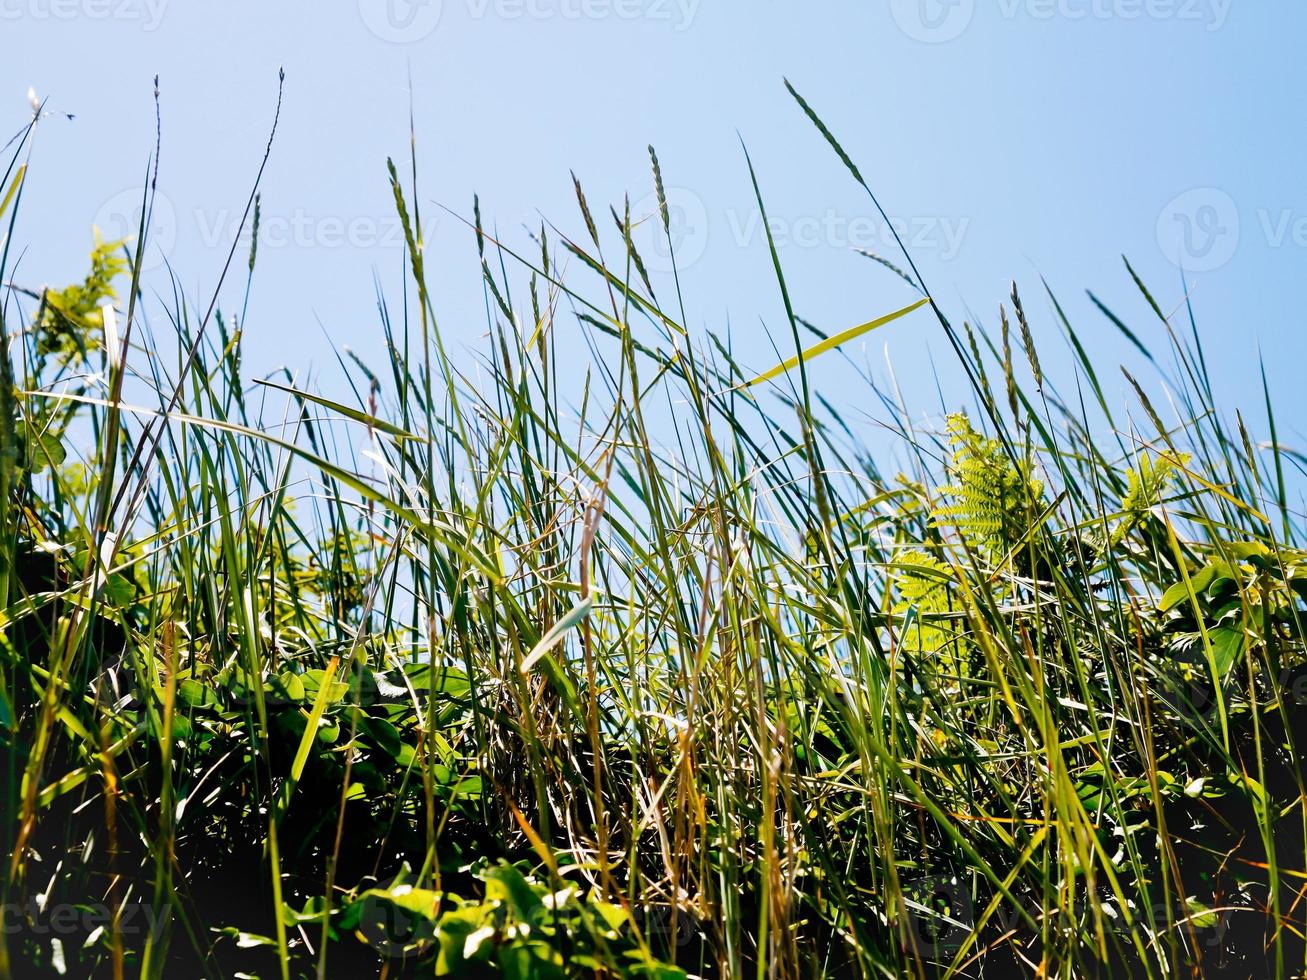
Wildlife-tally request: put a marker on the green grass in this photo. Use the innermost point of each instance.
(477, 671)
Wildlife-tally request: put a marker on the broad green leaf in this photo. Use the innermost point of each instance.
(317, 680)
(290, 686)
(1200, 581)
(419, 901)
(506, 883)
(1227, 645)
(450, 681)
(383, 735)
(452, 932)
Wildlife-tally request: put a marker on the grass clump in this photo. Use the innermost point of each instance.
(655, 674)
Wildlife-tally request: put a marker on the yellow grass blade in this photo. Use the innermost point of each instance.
(832, 342)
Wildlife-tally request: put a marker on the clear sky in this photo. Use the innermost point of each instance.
(1011, 138)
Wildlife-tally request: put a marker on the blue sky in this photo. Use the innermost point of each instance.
(1007, 138)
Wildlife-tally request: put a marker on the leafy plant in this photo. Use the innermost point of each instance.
(995, 499)
(628, 691)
